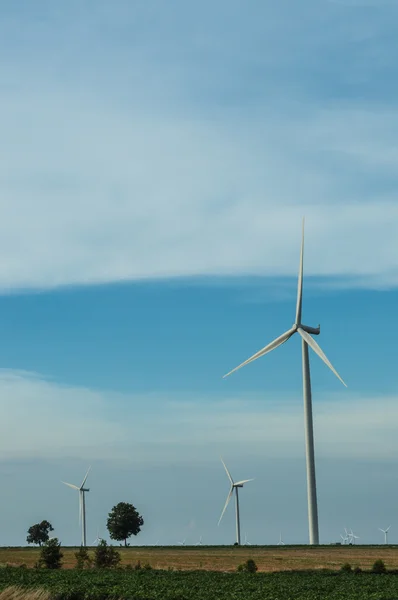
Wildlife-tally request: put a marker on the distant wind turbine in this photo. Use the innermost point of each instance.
(385, 531)
(246, 542)
(181, 543)
(97, 539)
(304, 331)
(353, 537)
(234, 486)
(280, 543)
(82, 504)
(199, 543)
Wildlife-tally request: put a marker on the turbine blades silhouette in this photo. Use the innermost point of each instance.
(228, 473)
(317, 349)
(84, 480)
(226, 504)
(300, 280)
(277, 342)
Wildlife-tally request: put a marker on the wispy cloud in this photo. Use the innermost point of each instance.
(161, 155)
(42, 418)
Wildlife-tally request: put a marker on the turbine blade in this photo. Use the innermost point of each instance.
(84, 480)
(277, 342)
(244, 481)
(300, 280)
(317, 349)
(388, 528)
(74, 487)
(226, 504)
(228, 473)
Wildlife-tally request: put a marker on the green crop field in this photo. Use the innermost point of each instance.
(184, 585)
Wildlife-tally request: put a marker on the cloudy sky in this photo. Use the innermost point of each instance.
(156, 160)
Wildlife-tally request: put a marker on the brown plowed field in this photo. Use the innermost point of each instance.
(226, 558)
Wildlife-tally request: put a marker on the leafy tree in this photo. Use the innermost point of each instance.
(124, 521)
(51, 555)
(39, 533)
(106, 557)
(82, 558)
(346, 568)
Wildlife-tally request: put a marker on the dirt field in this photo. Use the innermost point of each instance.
(226, 558)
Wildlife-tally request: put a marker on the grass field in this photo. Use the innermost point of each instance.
(227, 558)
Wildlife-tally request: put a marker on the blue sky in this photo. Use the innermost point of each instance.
(156, 160)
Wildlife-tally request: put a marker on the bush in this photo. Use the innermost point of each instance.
(106, 557)
(51, 555)
(357, 570)
(346, 568)
(379, 567)
(248, 567)
(83, 559)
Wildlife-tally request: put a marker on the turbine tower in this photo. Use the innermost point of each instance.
(234, 486)
(385, 531)
(304, 331)
(82, 504)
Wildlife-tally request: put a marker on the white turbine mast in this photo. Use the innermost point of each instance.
(307, 340)
(280, 543)
(385, 531)
(234, 486)
(82, 504)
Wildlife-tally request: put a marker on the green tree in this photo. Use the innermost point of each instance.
(39, 533)
(123, 522)
(106, 557)
(51, 555)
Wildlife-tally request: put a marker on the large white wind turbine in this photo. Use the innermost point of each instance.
(385, 531)
(234, 486)
(82, 504)
(304, 331)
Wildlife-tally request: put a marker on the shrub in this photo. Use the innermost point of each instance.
(379, 566)
(357, 570)
(83, 559)
(137, 566)
(346, 568)
(147, 567)
(106, 557)
(51, 555)
(248, 567)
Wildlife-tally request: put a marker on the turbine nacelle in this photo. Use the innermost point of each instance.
(308, 329)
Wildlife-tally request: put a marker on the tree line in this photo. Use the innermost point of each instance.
(123, 521)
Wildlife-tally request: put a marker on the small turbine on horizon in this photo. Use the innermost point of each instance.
(385, 531)
(307, 340)
(280, 543)
(234, 486)
(82, 504)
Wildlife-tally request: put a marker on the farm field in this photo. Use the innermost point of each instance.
(227, 558)
(179, 585)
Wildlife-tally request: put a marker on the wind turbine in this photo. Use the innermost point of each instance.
(280, 543)
(246, 542)
(234, 486)
(385, 531)
(353, 537)
(82, 504)
(182, 543)
(97, 539)
(304, 331)
(199, 543)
